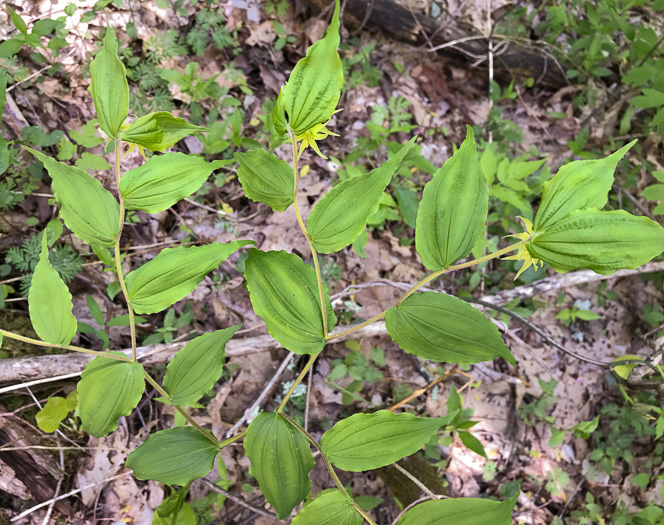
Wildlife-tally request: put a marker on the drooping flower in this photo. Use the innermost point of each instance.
(523, 254)
(309, 138)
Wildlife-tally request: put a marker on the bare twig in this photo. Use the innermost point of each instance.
(65, 496)
(239, 501)
(262, 396)
(417, 482)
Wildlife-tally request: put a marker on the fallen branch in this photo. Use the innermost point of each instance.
(50, 366)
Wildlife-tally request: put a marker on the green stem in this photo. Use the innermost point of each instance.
(427, 280)
(232, 440)
(37, 342)
(297, 381)
(314, 254)
(178, 506)
(182, 411)
(118, 263)
(329, 467)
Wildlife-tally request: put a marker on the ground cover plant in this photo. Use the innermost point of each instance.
(572, 228)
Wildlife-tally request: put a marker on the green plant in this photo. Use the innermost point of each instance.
(568, 232)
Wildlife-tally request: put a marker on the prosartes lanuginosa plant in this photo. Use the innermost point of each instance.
(570, 231)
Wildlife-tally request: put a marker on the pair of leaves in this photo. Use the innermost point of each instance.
(284, 293)
(570, 232)
(443, 328)
(55, 411)
(165, 179)
(313, 89)
(461, 511)
(89, 211)
(174, 273)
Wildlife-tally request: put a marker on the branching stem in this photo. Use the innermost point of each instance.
(182, 411)
(37, 342)
(427, 280)
(329, 466)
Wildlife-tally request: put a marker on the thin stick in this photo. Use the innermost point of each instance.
(417, 482)
(239, 501)
(38, 382)
(65, 496)
(262, 396)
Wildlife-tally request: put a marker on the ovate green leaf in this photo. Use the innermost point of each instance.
(578, 185)
(54, 411)
(284, 293)
(266, 178)
(197, 367)
(332, 508)
(174, 273)
(174, 456)
(453, 209)
(165, 179)
(108, 87)
(369, 441)
(159, 131)
(313, 89)
(88, 210)
(341, 215)
(602, 241)
(443, 328)
(49, 303)
(281, 460)
(108, 389)
(461, 511)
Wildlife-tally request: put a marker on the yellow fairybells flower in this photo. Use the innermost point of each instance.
(309, 138)
(523, 254)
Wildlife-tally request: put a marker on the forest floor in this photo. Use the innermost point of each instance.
(525, 414)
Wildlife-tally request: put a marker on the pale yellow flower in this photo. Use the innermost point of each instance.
(309, 138)
(523, 254)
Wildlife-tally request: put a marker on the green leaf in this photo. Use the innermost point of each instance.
(332, 508)
(370, 441)
(88, 210)
(461, 511)
(53, 413)
(284, 293)
(472, 443)
(187, 516)
(10, 47)
(266, 178)
(108, 87)
(18, 21)
(195, 369)
(174, 273)
(313, 89)
(165, 179)
(174, 456)
(89, 161)
(624, 370)
(651, 98)
(95, 309)
(108, 389)
(159, 131)
(443, 328)
(578, 185)
(341, 215)
(641, 480)
(49, 303)
(654, 192)
(602, 241)
(453, 209)
(281, 460)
